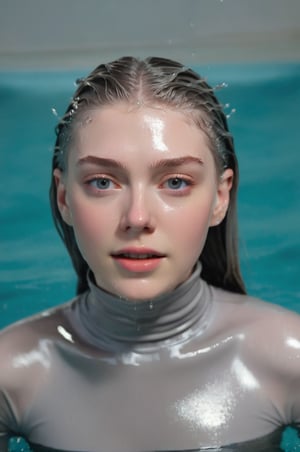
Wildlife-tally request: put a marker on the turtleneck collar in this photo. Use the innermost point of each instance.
(111, 322)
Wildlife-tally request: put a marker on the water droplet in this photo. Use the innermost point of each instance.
(221, 86)
(233, 110)
(151, 305)
(54, 112)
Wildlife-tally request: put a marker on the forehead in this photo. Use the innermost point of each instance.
(128, 129)
(139, 136)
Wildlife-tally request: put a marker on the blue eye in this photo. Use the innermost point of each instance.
(101, 183)
(176, 183)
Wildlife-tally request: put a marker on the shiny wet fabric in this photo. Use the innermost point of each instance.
(269, 443)
(195, 369)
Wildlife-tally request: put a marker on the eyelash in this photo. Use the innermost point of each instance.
(182, 190)
(93, 183)
(97, 180)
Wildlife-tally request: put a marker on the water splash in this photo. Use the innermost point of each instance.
(18, 444)
(231, 112)
(220, 86)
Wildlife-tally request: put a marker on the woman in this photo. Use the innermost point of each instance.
(161, 350)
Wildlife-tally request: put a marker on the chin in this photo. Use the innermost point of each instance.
(139, 289)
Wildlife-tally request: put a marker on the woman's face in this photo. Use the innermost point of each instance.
(141, 192)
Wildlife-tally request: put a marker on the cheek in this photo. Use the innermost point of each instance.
(91, 225)
(195, 228)
(189, 228)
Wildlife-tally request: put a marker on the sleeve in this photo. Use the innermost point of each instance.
(275, 352)
(287, 353)
(294, 398)
(7, 421)
(11, 390)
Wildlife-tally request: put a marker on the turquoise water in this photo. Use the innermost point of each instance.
(35, 272)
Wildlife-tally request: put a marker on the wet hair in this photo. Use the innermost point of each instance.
(156, 81)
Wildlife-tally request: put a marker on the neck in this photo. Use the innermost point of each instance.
(111, 321)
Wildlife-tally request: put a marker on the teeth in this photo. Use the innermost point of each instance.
(138, 256)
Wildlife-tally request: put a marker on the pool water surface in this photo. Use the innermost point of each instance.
(35, 272)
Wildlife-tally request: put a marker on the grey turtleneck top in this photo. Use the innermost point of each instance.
(198, 368)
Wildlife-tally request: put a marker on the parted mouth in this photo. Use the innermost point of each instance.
(136, 254)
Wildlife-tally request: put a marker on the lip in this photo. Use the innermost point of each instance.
(138, 263)
(138, 251)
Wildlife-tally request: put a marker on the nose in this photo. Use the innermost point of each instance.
(136, 212)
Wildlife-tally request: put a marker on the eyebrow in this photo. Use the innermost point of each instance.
(100, 161)
(160, 164)
(179, 161)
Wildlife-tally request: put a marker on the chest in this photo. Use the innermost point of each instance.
(176, 398)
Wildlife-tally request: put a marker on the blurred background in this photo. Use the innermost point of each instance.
(75, 33)
(250, 46)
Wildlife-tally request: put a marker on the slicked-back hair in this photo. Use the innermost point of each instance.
(156, 81)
